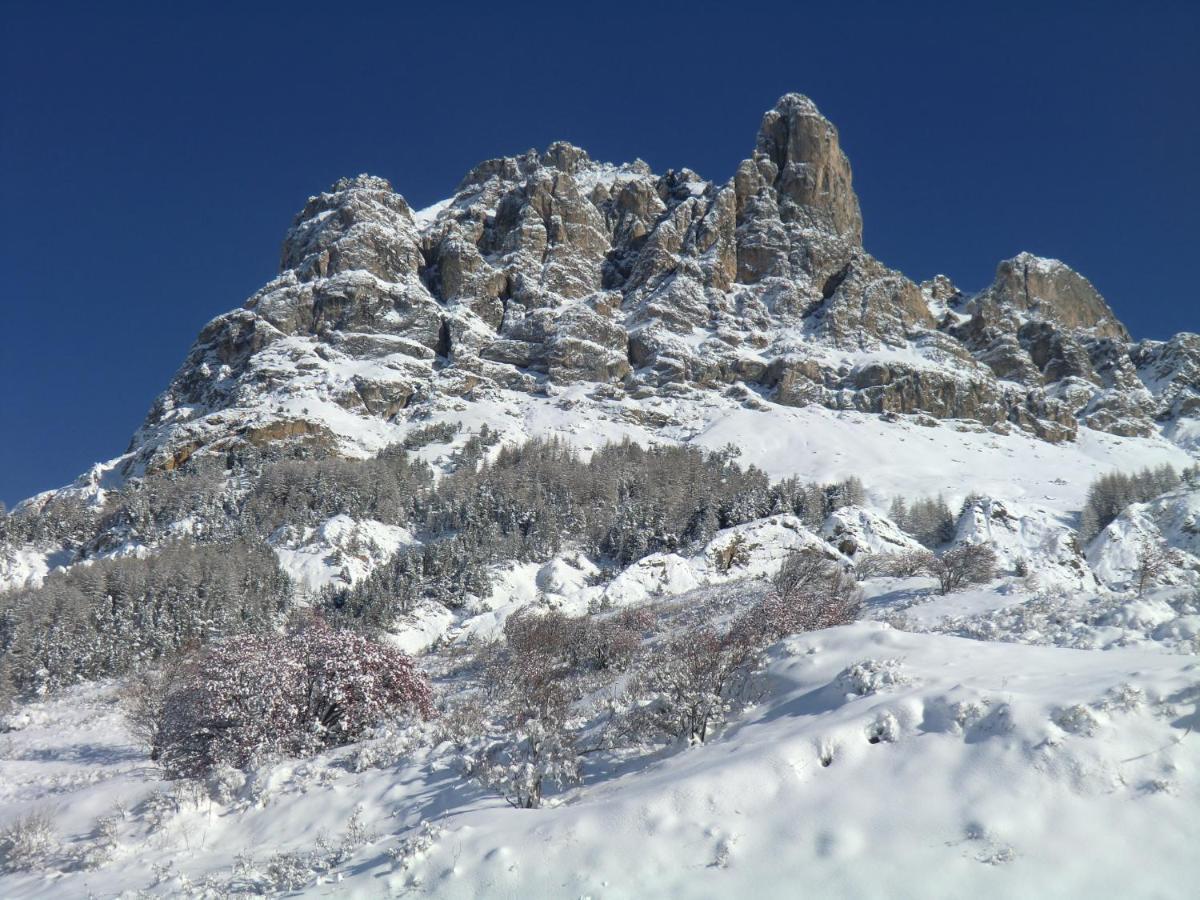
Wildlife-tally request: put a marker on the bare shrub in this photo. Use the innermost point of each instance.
(518, 764)
(575, 642)
(28, 844)
(523, 743)
(549, 634)
(689, 685)
(894, 565)
(613, 643)
(142, 696)
(963, 565)
(810, 592)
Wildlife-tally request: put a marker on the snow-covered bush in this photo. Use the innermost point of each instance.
(963, 565)
(519, 764)
(522, 742)
(577, 641)
(28, 844)
(810, 592)
(870, 676)
(416, 846)
(549, 634)
(894, 565)
(262, 695)
(520, 735)
(688, 685)
(613, 643)
(1077, 719)
(101, 844)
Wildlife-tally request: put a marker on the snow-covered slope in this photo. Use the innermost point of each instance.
(1169, 525)
(1032, 540)
(879, 764)
(338, 553)
(858, 533)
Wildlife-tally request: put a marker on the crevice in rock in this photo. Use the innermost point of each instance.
(505, 296)
(834, 281)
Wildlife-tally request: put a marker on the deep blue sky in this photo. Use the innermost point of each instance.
(151, 160)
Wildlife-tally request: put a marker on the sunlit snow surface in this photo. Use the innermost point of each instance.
(880, 763)
(1027, 738)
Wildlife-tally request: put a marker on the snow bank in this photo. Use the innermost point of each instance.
(761, 547)
(1029, 537)
(28, 565)
(1171, 522)
(878, 764)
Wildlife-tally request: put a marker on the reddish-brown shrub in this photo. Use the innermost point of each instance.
(269, 694)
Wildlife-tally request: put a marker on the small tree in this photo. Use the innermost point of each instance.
(1152, 564)
(733, 555)
(963, 565)
(519, 764)
(526, 743)
(690, 684)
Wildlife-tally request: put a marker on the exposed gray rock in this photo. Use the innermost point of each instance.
(551, 268)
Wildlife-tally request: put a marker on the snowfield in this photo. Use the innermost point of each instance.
(1008, 740)
(1032, 736)
(878, 763)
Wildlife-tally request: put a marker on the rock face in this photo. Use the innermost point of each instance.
(812, 174)
(547, 269)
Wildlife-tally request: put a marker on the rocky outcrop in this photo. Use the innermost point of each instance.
(1050, 290)
(857, 532)
(811, 175)
(551, 268)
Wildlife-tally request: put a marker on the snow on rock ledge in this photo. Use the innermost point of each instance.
(754, 550)
(1172, 521)
(857, 532)
(338, 553)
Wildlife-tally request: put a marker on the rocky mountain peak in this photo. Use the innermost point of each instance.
(360, 224)
(812, 173)
(1050, 289)
(549, 269)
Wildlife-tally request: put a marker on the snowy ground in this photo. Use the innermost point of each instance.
(818, 444)
(1032, 737)
(878, 763)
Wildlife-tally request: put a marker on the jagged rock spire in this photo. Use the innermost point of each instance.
(812, 171)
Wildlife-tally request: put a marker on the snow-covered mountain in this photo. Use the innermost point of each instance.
(920, 752)
(650, 298)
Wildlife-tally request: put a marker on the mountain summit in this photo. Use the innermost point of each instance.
(548, 269)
